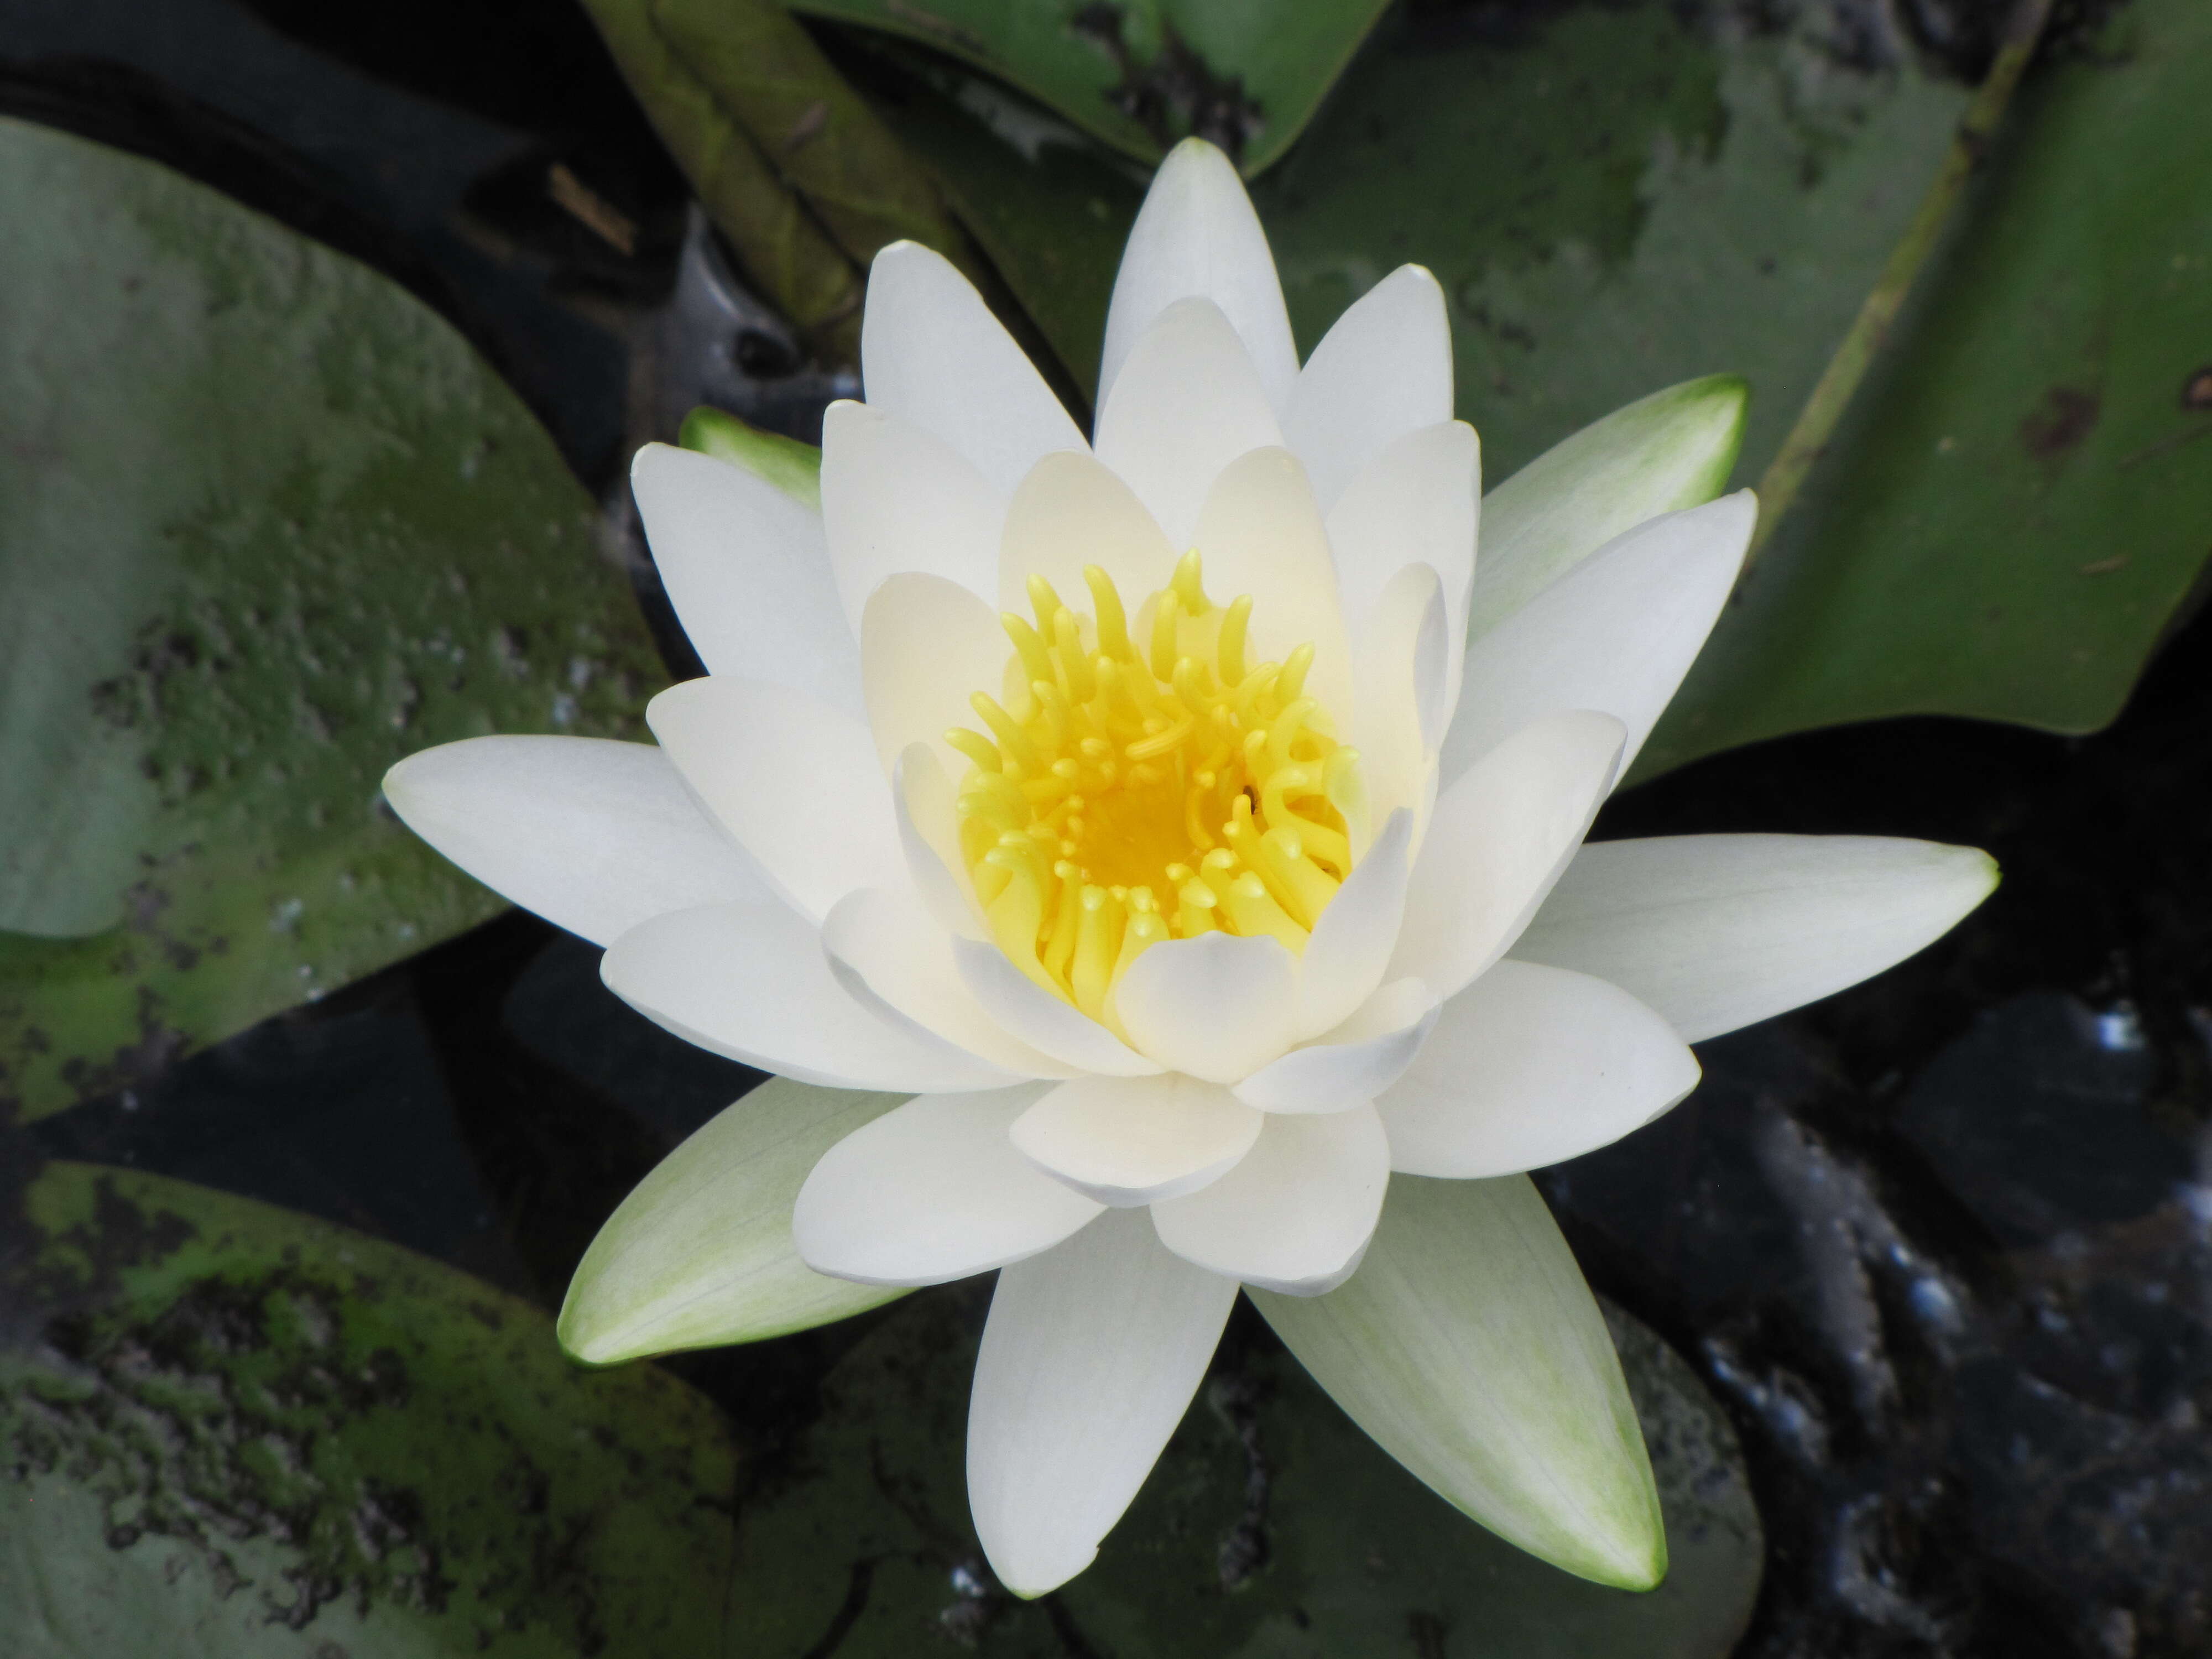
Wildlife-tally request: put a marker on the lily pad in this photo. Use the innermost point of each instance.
(2021, 497)
(1141, 74)
(271, 526)
(1272, 1526)
(232, 1432)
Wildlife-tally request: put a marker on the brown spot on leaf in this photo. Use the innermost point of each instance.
(2056, 429)
(2197, 389)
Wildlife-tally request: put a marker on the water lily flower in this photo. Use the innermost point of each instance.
(1156, 863)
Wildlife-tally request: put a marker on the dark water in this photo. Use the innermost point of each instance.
(1943, 1244)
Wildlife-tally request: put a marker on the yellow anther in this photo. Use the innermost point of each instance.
(1036, 661)
(1188, 586)
(979, 748)
(1060, 951)
(1146, 929)
(1164, 636)
(1013, 741)
(1074, 665)
(1293, 683)
(1230, 650)
(1106, 611)
(1298, 884)
(1160, 743)
(1097, 945)
(1043, 601)
(1253, 911)
(1195, 911)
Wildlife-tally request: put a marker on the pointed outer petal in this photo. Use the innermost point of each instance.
(1469, 1347)
(932, 354)
(1383, 369)
(1353, 1064)
(930, 1193)
(1672, 450)
(929, 835)
(595, 836)
(1351, 943)
(1529, 1066)
(1716, 932)
(793, 780)
(890, 953)
(748, 571)
(1072, 510)
(896, 498)
(1126, 1141)
(748, 981)
(926, 647)
(1090, 1357)
(1188, 404)
(1261, 534)
(1042, 1020)
(1196, 234)
(1217, 1006)
(1501, 836)
(1418, 500)
(1617, 633)
(1296, 1215)
(1402, 674)
(700, 1253)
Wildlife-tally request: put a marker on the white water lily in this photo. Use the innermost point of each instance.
(1126, 819)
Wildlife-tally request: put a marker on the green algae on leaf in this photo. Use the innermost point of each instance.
(271, 526)
(231, 1433)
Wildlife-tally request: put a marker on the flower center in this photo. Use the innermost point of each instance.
(1126, 796)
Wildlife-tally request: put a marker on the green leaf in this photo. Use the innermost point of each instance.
(793, 467)
(700, 1254)
(1671, 450)
(1272, 1529)
(1469, 1347)
(232, 1432)
(271, 526)
(2021, 497)
(1141, 76)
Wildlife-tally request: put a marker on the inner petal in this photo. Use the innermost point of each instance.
(1140, 780)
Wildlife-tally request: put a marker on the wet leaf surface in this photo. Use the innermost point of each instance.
(233, 1431)
(1272, 1525)
(309, 533)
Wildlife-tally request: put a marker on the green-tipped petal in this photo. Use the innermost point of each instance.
(1469, 1347)
(792, 466)
(700, 1254)
(1671, 450)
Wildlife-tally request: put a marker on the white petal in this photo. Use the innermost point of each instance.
(1383, 369)
(700, 1254)
(1353, 941)
(1403, 672)
(1090, 1357)
(795, 782)
(1072, 510)
(1716, 932)
(1469, 1347)
(1131, 1140)
(1352, 1064)
(1532, 1066)
(1617, 633)
(1188, 405)
(1196, 234)
(932, 354)
(594, 836)
(1259, 533)
(1500, 837)
(1217, 1006)
(1671, 450)
(933, 1192)
(1416, 501)
(929, 835)
(1296, 1215)
(895, 498)
(748, 570)
(885, 948)
(748, 981)
(927, 646)
(1047, 1023)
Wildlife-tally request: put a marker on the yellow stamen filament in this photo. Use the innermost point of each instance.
(1130, 771)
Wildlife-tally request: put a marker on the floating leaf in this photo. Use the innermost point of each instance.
(1272, 1526)
(271, 526)
(1140, 74)
(2021, 497)
(231, 1433)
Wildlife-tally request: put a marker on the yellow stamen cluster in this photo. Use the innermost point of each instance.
(1126, 795)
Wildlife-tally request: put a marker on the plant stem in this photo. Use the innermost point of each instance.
(1816, 423)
